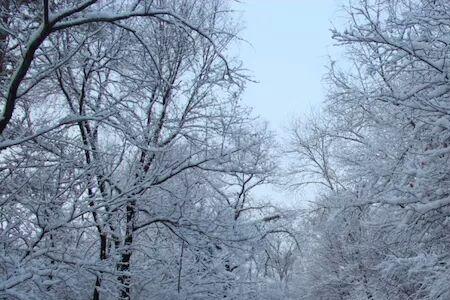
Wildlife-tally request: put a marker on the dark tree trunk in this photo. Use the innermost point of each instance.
(124, 265)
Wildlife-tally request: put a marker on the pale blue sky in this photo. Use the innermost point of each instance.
(290, 43)
(290, 48)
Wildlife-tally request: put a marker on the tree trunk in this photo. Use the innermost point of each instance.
(103, 253)
(3, 6)
(124, 265)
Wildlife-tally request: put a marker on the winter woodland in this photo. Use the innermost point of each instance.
(129, 162)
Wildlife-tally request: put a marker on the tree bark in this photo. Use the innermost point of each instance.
(124, 265)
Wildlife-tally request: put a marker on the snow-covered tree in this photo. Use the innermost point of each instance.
(127, 161)
(379, 229)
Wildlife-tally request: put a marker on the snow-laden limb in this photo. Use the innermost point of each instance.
(36, 39)
(14, 281)
(6, 30)
(68, 120)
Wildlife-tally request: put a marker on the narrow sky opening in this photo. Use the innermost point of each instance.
(290, 43)
(288, 47)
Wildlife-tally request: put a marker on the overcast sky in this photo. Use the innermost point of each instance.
(290, 43)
